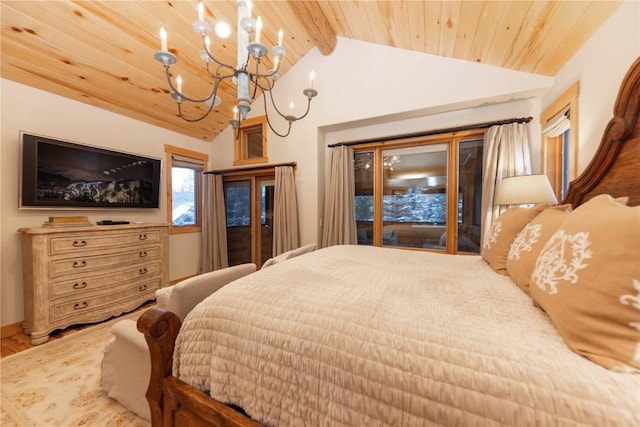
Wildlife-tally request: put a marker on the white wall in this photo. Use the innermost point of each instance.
(361, 86)
(27, 109)
(600, 65)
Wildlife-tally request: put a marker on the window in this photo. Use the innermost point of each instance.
(559, 123)
(184, 183)
(403, 193)
(251, 142)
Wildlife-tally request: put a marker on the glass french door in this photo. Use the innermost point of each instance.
(469, 201)
(425, 196)
(249, 210)
(265, 208)
(414, 196)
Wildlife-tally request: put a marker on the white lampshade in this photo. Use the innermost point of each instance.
(525, 189)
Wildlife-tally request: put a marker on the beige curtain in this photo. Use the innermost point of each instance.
(506, 153)
(213, 253)
(339, 211)
(286, 234)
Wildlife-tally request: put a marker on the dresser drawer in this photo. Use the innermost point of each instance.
(83, 242)
(86, 264)
(87, 306)
(70, 287)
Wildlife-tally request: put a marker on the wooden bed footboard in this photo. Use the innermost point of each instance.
(172, 401)
(160, 329)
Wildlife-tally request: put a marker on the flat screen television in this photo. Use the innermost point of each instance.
(61, 174)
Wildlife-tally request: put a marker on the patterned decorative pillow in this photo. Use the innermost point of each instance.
(503, 231)
(527, 245)
(587, 279)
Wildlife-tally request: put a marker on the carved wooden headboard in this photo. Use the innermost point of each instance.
(615, 167)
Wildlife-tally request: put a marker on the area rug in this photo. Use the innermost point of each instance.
(58, 384)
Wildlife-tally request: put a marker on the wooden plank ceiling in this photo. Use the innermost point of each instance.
(101, 52)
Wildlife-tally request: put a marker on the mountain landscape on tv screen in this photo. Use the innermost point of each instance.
(121, 185)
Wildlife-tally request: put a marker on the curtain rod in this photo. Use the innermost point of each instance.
(250, 168)
(434, 132)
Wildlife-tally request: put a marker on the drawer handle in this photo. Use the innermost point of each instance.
(80, 306)
(142, 288)
(79, 244)
(79, 264)
(142, 237)
(80, 285)
(143, 271)
(143, 254)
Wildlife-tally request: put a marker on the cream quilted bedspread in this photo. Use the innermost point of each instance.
(365, 336)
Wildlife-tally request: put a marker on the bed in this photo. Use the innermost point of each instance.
(359, 335)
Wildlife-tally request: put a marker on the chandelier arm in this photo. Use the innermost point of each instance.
(212, 57)
(186, 119)
(183, 97)
(246, 63)
(273, 72)
(218, 77)
(262, 87)
(203, 100)
(269, 73)
(281, 135)
(197, 119)
(264, 75)
(273, 102)
(212, 97)
(218, 67)
(168, 75)
(306, 112)
(257, 76)
(289, 118)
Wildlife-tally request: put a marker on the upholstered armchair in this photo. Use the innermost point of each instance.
(126, 365)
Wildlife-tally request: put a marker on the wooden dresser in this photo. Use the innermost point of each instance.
(87, 274)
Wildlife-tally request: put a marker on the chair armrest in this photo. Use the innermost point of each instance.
(127, 331)
(162, 296)
(190, 292)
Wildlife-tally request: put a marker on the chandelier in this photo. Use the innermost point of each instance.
(366, 161)
(249, 76)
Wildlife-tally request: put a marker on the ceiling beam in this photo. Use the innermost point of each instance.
(317, 25)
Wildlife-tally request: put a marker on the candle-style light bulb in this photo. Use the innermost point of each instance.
(276, 61)
(312, 77)
(204, 55)
(163, 39)
(258, 28)
(200, 11)
(280, 35)
(291, 108)
(179, 83)
(235, 112)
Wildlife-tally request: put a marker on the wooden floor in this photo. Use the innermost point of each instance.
(21, 342)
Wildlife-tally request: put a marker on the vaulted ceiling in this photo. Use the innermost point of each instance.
(101, 52)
